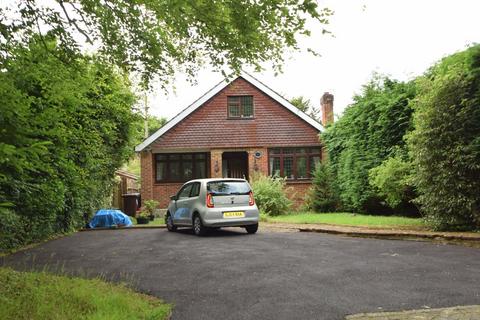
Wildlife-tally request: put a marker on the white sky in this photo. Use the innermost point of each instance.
(401, 38)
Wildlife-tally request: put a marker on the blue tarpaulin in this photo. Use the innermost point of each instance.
(106, 218)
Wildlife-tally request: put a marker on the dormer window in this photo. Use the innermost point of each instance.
(240, 107)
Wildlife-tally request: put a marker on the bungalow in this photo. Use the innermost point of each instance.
(238, 127)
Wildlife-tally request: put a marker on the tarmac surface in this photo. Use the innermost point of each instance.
(270, 275)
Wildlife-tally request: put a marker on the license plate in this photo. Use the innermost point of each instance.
(234, 214)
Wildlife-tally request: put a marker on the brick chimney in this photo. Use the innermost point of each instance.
(326, 103)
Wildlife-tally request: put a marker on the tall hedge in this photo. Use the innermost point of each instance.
(445, 145)
(65, 127)
(370, 131)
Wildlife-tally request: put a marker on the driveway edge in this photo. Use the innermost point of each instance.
(379, 233)
(453, 313)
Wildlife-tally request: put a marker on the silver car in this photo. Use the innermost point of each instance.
(213, 203)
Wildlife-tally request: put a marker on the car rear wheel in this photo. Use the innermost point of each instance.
(251, 229)
(169, 222)
(198, 228)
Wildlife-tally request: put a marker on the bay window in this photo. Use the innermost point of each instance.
(180, 167)
(293, 163)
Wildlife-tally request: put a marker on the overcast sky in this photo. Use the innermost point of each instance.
(401, 38)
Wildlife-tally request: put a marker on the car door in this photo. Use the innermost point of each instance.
(193, 200)
(182, 210)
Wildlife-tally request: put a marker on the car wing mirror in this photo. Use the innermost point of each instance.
(174, 197)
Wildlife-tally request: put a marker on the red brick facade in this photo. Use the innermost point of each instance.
(208, 129)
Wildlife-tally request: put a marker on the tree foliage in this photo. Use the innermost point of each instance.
(445, 145)
(64, 130)
(306, 106)
(157, 38)
(154, 123)
(323, 195)
(393, 180)
(368, 133)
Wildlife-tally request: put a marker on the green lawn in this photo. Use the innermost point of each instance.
(39, 296)
(157, 222)
(349, 219)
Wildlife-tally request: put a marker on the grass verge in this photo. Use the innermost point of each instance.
(350, 219)
(39, 295)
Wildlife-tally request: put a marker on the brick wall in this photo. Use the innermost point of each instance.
(147, 177)
(216, 163)
(163, 191)
(257, 164)
(297, 192)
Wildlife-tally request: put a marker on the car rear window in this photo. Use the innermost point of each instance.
(228, 187)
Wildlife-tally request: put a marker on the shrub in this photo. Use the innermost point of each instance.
(393, 180)
(270, 194)
(11, 229)
(150, 206)
(445, 145)
(322, 196)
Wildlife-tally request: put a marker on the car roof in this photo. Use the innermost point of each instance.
(216, 179)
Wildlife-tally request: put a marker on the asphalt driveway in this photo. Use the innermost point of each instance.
(270, 275)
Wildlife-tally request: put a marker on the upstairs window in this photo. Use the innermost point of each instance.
(240, 107)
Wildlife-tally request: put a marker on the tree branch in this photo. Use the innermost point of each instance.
(74, 22)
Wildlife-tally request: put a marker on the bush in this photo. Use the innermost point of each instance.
(393, 180)
(11, 229)
(322, 196)
(65, 128)
(148, 208)
(270, 194)
(445, 145)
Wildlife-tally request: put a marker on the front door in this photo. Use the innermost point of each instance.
(235, 165)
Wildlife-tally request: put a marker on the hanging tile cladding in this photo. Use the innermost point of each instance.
(209, 126)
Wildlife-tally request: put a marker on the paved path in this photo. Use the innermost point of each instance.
(270, 275)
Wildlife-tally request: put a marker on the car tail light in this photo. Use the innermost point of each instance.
(209, 200)
(251, 201)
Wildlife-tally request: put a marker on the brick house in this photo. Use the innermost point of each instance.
(238, 127)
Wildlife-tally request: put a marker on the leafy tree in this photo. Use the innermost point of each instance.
(323, 196)
(154, 123)
(393, 180)
(445, 145)
(301, 103)
(306, 106)
(65, 129)
(157, 38)
(369, 132)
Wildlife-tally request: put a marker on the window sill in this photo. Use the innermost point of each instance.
(299, 181)
(240, 118)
